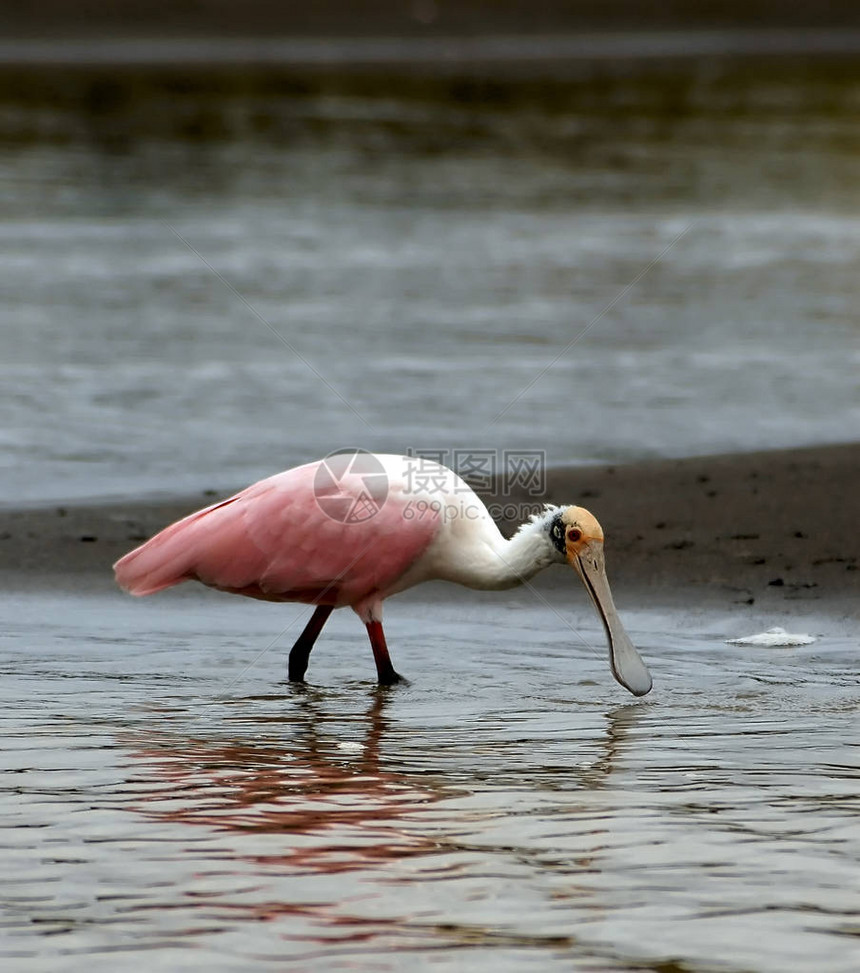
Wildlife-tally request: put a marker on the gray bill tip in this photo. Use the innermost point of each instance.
(629, 669)
(626, 663)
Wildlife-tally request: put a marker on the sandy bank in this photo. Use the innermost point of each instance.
(761, 528)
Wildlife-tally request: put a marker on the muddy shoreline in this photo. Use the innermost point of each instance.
(742, 529)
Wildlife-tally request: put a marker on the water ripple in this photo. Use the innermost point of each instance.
(487, 820)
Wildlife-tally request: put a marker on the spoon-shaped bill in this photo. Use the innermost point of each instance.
(625, 662)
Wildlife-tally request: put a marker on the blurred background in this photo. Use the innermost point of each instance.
(239, 236)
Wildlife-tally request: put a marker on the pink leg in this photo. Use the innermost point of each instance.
(300, 652)
(384, 668)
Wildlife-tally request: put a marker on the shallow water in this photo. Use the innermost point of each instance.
(198, 288)
(166, 793)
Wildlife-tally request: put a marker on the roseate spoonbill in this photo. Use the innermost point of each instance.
(353, 529)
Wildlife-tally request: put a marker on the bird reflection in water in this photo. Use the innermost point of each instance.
(295, 802)
(620, 721)
(312, 784)
(336, 807)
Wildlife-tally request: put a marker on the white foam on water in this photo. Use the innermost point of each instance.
(773, 638)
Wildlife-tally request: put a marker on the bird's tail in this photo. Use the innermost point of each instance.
(165, 560)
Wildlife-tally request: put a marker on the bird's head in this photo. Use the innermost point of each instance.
(576, 534)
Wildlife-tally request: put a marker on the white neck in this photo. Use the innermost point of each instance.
(492, 563)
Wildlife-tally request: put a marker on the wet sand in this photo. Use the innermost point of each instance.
(773, 529)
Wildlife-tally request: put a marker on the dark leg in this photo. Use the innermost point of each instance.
(300, 652)
(384, 668)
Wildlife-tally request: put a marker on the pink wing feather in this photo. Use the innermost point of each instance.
(273, 541)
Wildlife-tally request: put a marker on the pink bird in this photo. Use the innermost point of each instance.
(354, 529)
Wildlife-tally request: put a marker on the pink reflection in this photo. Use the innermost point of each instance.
(336, 808)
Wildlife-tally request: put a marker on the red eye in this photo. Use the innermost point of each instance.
(574, 534)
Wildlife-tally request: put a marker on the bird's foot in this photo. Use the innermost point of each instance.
(392, 678)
